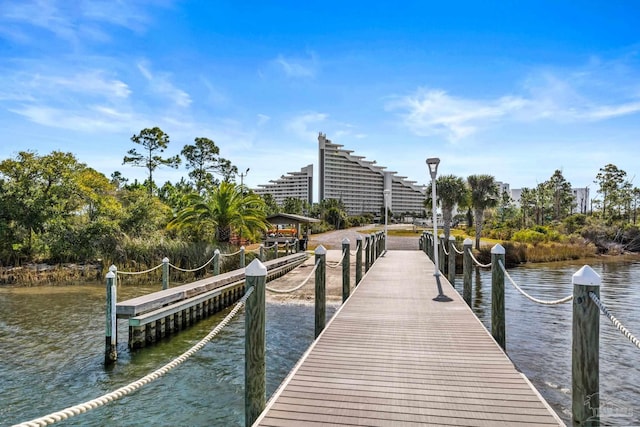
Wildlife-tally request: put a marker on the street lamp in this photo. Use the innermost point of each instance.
(387, 196)
(433, 163)
(242, 175)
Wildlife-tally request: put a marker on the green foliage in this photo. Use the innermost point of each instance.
(154, 141)
(203, 158)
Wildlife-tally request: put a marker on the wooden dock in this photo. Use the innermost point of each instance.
(397, 354)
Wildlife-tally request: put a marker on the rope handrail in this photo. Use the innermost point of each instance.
(344, 253)
(356, 251)
(132, 273)
(613, 320)
(478, 262)
(186, 270)
(458, 251)
(130, 388)
(304, 282)
(539, 301)
(233, 253)
(444, 249)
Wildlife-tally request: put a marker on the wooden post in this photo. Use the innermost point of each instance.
(373, 248)
(242, 257)
(165, 273)
(585, 361)
(276, 246)
(255, 378)
(358, 259)
(442, 264)
(467, 267)
(286, 247)
(497, 296)
(452, 261)
(111, 331)
(262, 253)
(321, 297)
(367, 253)
(216, 262)
(346, 264)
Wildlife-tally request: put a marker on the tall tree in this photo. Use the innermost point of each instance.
(154, 141)
(563, 200)
(203, 158)
(451, 191)
(610, 179)
(484, 195)
(527, 205)
(225, 210)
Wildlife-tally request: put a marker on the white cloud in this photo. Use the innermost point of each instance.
(300, 125)
(92, 119)
(160, 84)
(297, 67)
(578, 96)
(263, 119)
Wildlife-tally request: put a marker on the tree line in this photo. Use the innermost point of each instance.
(57, 209)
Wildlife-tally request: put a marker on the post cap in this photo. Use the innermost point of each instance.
(452, 238)
(359, 237)
(345, 241)
(113, 268)
(586, 276)
(320, 250)
(498, 249)
(217, 252)
(242, 248)
(111, 275)
(255, 269)
(467, 242)
(165, 260)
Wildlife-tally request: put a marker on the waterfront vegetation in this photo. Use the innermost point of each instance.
(56, 210)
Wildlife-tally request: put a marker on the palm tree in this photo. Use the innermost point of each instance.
(226, 209)
(484, 195)
(451, 191)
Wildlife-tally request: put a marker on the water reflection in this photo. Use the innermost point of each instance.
(539, 337)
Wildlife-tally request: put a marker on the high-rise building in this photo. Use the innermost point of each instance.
(298, 185)
(359, 183)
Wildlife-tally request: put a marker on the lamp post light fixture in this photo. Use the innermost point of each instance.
(433, 163)
(387, 196)
(242, 175)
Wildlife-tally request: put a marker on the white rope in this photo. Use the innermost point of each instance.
(539, 301)
(615, 321)
(233, 253)
(139, 272)
(195, 269)
(444, 249)
(344, 253)
(130, 388)
(478, 262)
(357, 247)
(457, 251)
(304, 282)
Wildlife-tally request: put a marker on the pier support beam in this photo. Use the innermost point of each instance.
(255, 333)
(451, 272)
(467, 267)
(165, 273)
(358, 259)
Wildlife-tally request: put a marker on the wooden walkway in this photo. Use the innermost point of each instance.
(393, 355)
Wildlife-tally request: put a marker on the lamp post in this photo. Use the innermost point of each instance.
(433, 162)
(387, 196)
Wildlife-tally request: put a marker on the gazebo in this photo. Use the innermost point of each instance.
(279, 233)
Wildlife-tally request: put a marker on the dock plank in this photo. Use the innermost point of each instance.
(395, 355)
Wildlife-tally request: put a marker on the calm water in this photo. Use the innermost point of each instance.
(539, 337)
(52, 344)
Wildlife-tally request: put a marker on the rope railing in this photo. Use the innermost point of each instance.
(133, 273)
(356, 251)
(459, 252)
(186, 270)
(304, 282)
(339, 263)
(613, 320)
(444, 249)
(232, 253)
(478, 262)
(536, 300)
(132, 387)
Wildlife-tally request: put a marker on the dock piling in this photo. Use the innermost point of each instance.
(467, 267)
(321, 300)
(358, 259)
(111, 331)
(497, 296)
(585, 365)
(451, 272)
(165, 273)
(216, 262)
(346, 264)
(255, 336)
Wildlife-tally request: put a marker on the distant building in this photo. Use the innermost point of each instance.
(581, 199)
(297, 185)
(359, 183)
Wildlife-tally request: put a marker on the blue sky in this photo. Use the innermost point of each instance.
(512, 89)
